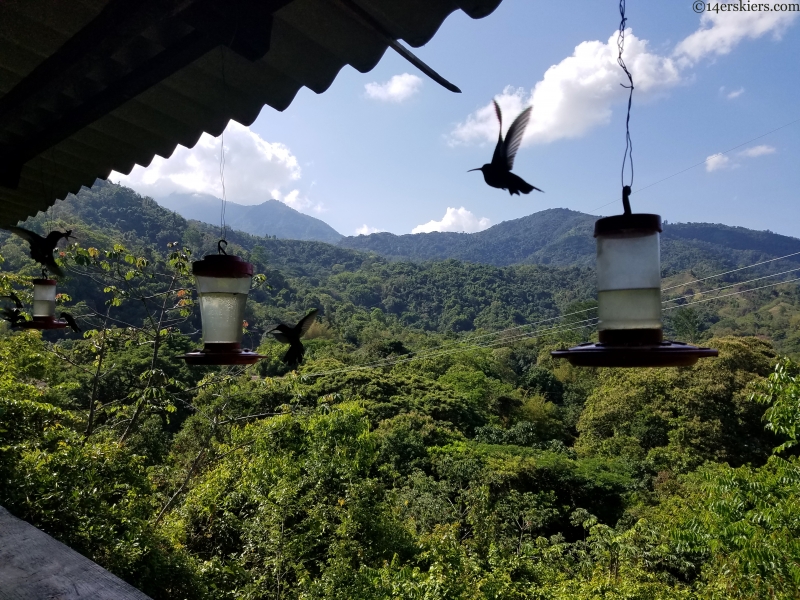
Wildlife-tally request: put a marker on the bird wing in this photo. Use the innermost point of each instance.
(306, 322)
(71, 322)
(499, 156)
(279, 335)
(29, 236)
(53, 238)
(514, 136)
(51, 265)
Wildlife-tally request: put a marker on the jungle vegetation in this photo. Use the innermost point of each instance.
(429, 447)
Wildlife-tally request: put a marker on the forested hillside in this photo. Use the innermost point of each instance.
(562, 237)
(428, 447)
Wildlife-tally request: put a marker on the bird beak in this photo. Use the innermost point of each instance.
(478, 169)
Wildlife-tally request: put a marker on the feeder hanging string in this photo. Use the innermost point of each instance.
(223, 225)
(628, 156)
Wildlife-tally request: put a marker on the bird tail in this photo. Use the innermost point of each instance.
(516, 185)
(294, 355)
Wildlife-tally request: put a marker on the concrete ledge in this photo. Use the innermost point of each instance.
(34, 566)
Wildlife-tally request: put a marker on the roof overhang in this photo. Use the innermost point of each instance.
(93, 86)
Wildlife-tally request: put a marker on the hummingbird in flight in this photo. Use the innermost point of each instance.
(498, 173)
(291, 335)
(42, 247)
(73, 324)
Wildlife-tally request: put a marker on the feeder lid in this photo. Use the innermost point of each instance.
(44, 282)
(633, 223)
(665, 354)
(222, 265)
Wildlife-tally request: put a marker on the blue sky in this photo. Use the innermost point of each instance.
(368, 156)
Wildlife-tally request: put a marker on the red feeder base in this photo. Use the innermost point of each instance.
(221, 354)
(664, 354)
(43, 323)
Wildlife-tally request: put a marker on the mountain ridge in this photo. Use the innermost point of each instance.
(561, 237)
(270, 218)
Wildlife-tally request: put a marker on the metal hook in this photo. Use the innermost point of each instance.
(626, 203)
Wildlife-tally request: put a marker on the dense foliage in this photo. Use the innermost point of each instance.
(418, 453)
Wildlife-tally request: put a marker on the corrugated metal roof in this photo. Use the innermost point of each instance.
(311, 40)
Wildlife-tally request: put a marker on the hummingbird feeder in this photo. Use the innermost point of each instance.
(629, 300)
(223, 283)
(44, 306)
(629, 281)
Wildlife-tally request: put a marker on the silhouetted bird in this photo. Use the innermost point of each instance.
(71, 322)
(42, 247)
(13, 316)
(498, 173)
(14, 298)
(291, 335)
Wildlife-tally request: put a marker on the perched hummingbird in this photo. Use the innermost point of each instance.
(291, 335)
(71, 322)
(498, 173)
(42, 247)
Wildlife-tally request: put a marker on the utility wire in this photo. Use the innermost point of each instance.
(732, 294)
(540, 332)
(489, 344)
(701, 163)
(459, 345)
(672, 287)
(725, 287)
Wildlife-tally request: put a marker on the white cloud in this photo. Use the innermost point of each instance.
(366, 230)
(455, 219)
(720, 33)
(716, 162)
(255, 170)
(300, 203)
(734, 93)
(757, 151)
(578, 94)
(397, 89)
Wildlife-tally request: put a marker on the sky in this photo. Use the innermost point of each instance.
(389, 150)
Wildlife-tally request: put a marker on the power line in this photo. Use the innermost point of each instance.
(489, 344)
(443, 349)
(728, 272)
(725, 287)
(732, 294)
(537, 333)
(694, 166)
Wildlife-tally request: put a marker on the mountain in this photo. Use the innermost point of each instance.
(562, 237)
(270, 218)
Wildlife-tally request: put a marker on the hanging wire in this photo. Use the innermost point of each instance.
(223, 224)
(628, 156)
(699, 164)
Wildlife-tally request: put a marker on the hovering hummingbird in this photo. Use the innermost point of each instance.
(498, 173)
(291, 335)
(70, 321)
(42, 247)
